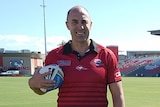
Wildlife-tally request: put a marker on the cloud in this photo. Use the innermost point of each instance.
(149, 43)
(36, 43)
(32, 43)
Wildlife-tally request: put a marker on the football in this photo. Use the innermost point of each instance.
(56, 75)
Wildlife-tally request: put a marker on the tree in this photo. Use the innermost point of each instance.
(62, 43)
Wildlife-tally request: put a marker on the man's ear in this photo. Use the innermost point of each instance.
(67, 25)
(91, 25)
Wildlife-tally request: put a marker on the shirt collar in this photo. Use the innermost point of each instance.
(68, 49)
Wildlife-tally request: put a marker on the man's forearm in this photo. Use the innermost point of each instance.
(119, 102)
(36, 90)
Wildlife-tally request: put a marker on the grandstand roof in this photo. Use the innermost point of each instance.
(143, 53)
(155, 32)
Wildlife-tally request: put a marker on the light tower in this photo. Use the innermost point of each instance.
(44, 25)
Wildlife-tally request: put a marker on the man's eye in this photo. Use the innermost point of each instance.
(84, 22)
(75, 22)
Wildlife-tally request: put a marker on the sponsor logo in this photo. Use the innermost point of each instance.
(64, 62)
(16, 63)
(80, 67)
(117, 74)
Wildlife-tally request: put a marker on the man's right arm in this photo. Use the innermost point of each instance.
(38, 81)
(36, 90)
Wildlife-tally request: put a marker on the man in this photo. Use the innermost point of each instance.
(88, 68)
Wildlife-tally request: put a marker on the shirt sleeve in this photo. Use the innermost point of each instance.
(50, 58)
(113, 72)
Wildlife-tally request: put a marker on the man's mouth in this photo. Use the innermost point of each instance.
(80, 33)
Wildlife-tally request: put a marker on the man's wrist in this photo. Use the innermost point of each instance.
(36, 90)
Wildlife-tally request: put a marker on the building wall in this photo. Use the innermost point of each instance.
(35, 63)
(1, 61)
(25, 62)
(22, 63)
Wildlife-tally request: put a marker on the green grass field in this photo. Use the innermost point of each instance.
(139, 92)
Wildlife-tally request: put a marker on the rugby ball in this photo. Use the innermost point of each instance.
(56, 75)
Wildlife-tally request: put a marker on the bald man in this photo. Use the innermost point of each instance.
(88, 67)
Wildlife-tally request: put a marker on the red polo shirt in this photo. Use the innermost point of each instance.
(85, 77)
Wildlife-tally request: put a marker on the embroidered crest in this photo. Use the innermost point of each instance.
(98, 62)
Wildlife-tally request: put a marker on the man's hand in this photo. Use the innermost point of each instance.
(38, 81)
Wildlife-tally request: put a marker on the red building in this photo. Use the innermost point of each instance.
(114, 49)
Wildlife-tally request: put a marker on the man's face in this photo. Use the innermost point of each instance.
(79, 24)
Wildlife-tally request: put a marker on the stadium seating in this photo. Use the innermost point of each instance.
(145, 66)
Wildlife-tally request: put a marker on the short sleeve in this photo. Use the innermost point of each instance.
(111, 64)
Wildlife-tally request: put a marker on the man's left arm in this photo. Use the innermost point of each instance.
(117, 94)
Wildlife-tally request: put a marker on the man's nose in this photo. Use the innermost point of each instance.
(81, 26)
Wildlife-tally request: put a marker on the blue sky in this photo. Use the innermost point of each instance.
(115, 22)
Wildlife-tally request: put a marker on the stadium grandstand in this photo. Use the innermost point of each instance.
(155, 32)
(141, 63)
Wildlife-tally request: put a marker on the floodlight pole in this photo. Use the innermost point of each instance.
(44, 22)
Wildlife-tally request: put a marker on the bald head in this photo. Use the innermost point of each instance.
(79, 24)
(78, 9)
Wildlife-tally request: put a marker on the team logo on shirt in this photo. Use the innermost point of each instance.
(98, 62)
